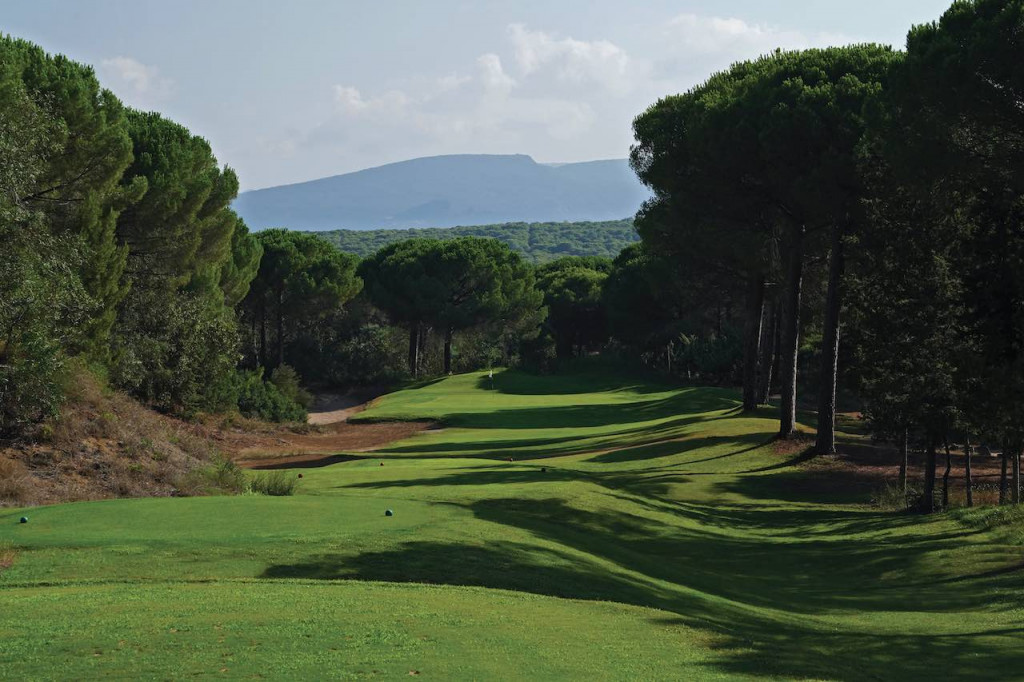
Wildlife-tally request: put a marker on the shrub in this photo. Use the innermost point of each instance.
(222, 477)
(42, 306)
(175, 350)
(273, 483)
(15, 483)
(286, 380)
(891, 497)
(263, 400)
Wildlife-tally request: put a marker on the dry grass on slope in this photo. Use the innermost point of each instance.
(105, 445)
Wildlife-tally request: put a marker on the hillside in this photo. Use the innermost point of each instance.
(445, 191)
(537, 242)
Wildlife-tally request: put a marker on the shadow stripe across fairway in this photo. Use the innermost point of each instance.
(685, 546)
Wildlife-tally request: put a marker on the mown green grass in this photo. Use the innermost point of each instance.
(641, 532)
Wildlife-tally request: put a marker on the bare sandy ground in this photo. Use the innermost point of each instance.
(331, 408)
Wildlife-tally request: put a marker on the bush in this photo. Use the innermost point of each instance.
(220, 478)
(42, 306)
(273, 483)
(891, 497)
(259, 399)
(175, 350)
(15, 483)
(286, 380)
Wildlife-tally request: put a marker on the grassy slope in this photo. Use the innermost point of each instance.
(722, 558)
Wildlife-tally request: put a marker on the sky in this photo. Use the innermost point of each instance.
(294, 90)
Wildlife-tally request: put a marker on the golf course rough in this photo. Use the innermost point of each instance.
(668, 538)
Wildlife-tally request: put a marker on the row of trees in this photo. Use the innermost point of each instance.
(865, 182)
(535, 242)
(119, 247)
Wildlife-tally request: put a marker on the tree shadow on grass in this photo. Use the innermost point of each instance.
(833, 486)
(513, 382)
(541, 448)
(688, 407)
(814, 575)
(496, 475)
(660, 449)
(748, 640)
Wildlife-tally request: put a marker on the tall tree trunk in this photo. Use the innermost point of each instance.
(928, 498)
(945, 475)
(1015, 461)
(564, 344)
(791, 334)
(766, 363)
(421, 346)
(825, 443)
(774, 359)
(280, 328)
(754, 324)
(904, 460)
(969, 480)
(263, 330)
(414, 349)
(1002, 477)
(448, 350)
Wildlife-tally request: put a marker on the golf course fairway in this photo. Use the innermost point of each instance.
(562, 527)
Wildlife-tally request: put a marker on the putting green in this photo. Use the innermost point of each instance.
(641, 532)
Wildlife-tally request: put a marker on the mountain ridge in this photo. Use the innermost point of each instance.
(448, 191)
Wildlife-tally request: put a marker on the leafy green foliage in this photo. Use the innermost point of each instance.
(286, 380)
(450, 285)
(263, 400)
(170, 349)
(573, 294)
(86, 149)
(300, 284)
(42, 301)
(182, 221)
(237, 272)
(536, 242)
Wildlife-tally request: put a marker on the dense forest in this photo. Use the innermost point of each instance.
(826, 225)
(536, 242)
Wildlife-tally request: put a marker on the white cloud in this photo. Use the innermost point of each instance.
(555, 97)
(136, 81)
(452, 81)
(349, 100)
(493, 76)
(711, 34)
(486, 109)
(587, 62)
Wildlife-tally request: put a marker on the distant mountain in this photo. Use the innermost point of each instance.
(445, 191)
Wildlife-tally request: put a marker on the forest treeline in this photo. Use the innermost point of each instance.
(865, 206)
(536, 242)
(826, 225)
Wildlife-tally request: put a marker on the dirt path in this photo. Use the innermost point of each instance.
(333, 440)
(331, 408)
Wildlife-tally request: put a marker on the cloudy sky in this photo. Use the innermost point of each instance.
(290, 91)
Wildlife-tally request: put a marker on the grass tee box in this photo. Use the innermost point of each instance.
(643, 531)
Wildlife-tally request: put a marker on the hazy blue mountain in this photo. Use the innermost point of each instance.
(445, 191)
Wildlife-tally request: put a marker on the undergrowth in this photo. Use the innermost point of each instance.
(273, 483)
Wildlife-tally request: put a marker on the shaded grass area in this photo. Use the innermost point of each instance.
(720, 554)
